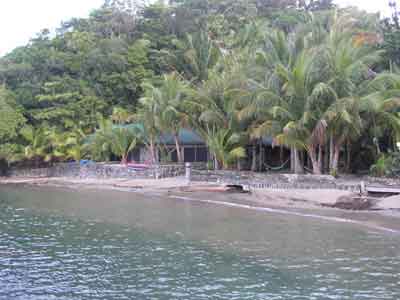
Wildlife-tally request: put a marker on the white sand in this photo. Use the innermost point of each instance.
(392, 202)
(300, 198)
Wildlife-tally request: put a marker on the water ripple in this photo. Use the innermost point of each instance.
(46, 256)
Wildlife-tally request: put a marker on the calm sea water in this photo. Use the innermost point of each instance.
(64, 244)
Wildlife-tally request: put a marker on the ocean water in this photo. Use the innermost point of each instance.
(69, 244)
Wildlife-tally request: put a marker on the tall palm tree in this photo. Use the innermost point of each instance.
(302, 126)
(214, 114)
(271, 106)
(146, 115)
(314, 81)
(344, 125)
(380, 108)
(349, 69)
(168, 102)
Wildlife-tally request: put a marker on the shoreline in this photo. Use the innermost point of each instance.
(305, 203)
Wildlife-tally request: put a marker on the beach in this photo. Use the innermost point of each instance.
(311, 203)
(291, 198)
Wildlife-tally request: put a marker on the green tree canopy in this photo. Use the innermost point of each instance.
(11, 118)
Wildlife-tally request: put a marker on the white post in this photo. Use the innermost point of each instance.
(157, 172)
(188, 172)
(362, 188)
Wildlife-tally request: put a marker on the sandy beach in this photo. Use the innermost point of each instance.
(308, 203)
(292, 198)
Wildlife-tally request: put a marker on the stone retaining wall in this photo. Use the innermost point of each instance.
(253, 180)
(274, 181)
(101, 171)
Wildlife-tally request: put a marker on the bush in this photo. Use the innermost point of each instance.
(387, 165)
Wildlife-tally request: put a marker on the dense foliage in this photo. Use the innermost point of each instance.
(319, 80)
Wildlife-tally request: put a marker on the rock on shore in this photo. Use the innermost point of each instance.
(354, 203)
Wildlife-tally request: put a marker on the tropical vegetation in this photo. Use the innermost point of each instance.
(318, 80)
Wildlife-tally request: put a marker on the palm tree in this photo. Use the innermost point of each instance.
(168, 104)
(303, 128)
(108, 139)
(99, 142)
(215, 97)
(344, 125)
(123, 140)
(146, 114)
(311, 84)
(380, 107)
(11, 152)
(39, 144)
(224, 144)
(349, 68)
(214, 114)
(70, 145)
(271, 106)
(172, 116)
(195, 56)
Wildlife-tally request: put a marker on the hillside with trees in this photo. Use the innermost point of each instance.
(321, 81)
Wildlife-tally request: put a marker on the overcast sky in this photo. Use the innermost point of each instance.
(22, 19)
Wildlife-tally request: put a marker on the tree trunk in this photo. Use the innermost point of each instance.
(314, 161)
(309, 163)
(331, 151)
(378, 148)
(216, 163)
(254, 158)
(260, 163)
(152, 152)
(292, 160)
(335, 162)
(348, 158)
(320, 158)
(239, 165)
(298, 167)
(326, 159)
(178, 148)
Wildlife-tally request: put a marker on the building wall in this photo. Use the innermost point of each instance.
(191, 153)
(199, 153)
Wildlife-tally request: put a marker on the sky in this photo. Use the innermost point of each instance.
(21, 20)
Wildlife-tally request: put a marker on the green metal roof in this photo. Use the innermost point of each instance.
(186, 136)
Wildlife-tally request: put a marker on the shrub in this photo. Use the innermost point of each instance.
(387, 165)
